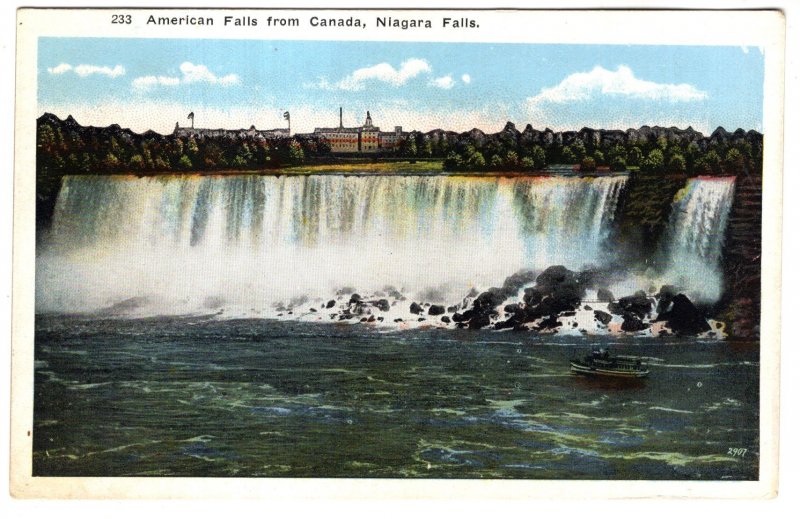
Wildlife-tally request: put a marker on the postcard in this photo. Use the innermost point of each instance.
(506, 253)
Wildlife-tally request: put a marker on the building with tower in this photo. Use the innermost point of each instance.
(366, 138)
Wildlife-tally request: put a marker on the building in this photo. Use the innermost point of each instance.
(366, 138)
(277, 133)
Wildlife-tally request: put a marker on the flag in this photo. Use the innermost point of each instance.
(286, 115)
(191, 116)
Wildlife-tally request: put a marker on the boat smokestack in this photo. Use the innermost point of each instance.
(341, 125)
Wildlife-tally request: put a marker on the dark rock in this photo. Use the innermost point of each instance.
(604, 295)
(632, 323)
(330, 304)
(398, 320)
(515, 282)
(508, 323)
(436, 310)
(421, 319)
(452, 309)
(415, 308)
(355, 298)
(603, 317)
(363, 319)
(683, 318)
(512, 309)
(587, 307)
(479, 321)
(312, 309)
(371, 319)
(638, 304)
(665, 296)
(382, 305)
(445, 319)
(532, 296)
(489, 300)
(563, 287)
(569, 313)
(549, 323)
(459, 318)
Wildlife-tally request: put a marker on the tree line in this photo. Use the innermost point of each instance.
(73, 149)
(510, 150)
(65, 147)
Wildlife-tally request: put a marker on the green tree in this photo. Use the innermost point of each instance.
(296, 154)
(635, 156)
(618, 163)
(137, 162)
(599, 158)
(654, 163)
(676, 164)
(588, 164)
(734, 161)
(538, 157)
(568, 156)
(111, 162)
(511, 159)
(579, 150)
(453, 162)
(476, 161)
(185, 163)
(710, 164)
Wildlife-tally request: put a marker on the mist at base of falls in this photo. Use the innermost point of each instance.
(187, 243)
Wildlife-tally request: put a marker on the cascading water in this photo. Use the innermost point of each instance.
(184, 242)
(696, 235)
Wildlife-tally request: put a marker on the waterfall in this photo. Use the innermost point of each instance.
(696, 235)
(251, 241)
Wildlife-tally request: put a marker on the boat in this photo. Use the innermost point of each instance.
(600, 363)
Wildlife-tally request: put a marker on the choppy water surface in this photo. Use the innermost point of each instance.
(205, 397)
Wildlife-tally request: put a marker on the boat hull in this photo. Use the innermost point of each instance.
(593, 371)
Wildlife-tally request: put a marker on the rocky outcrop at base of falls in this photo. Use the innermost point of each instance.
(556, 300)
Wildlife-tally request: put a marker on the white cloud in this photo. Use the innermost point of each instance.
(145, 82)
(190, 73)
(383, 72)
(84, 70)
(199, 73)
(60, 69)
(445, 82)
(583, 86)
(466, 79)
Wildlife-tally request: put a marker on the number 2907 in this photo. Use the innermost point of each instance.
(737, 452)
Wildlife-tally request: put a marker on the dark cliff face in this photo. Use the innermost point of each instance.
(740, 304)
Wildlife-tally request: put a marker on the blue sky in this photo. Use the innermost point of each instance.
(152, 83)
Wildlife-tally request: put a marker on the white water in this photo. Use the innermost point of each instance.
(183, 243)
(692, 244)
(696, 235)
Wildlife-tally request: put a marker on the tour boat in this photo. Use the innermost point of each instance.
(600, 363)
